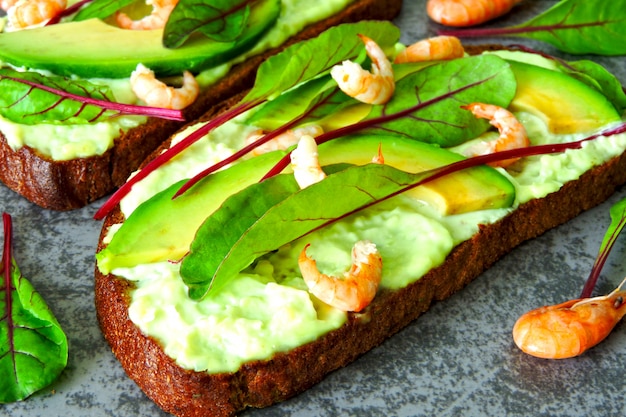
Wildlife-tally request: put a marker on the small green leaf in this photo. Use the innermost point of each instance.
(572, 26)
(33, 347)
(24, 101)
(218, 20)
(426, 104)
(302, 61)
(239, 231)
(321, 95)
(581, 26)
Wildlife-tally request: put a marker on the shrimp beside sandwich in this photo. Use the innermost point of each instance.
(569, 329)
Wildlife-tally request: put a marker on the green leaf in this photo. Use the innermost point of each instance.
(24, 101)
(302, 61)
(101, 9)
(239, 231)
(581, 26)
(320, 95)
(426, 104)
(219, 20)
(572, 26)
(33, 347)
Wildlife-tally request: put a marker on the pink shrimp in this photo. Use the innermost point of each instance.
(374, 87)
(462, 13)
(568, 329)
(512, 132)
(432, 49)
(161, 10)
(33, 13)
(359, 286)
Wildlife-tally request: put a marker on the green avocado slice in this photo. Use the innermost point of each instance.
(95, 49)
(564, 103)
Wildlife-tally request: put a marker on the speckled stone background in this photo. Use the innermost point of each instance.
(456, 360)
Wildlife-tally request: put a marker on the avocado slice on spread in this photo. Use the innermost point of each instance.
(564, 103)
(162, 229)
(95, 49)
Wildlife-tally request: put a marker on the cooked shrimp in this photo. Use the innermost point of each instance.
(157, 94)
(32, 13)
(161, 10)
(284, 140)
(305, 164)
(432, 49)
(512, 132)
(357, 288)
(467, 12)
(570, 328)
(6, 4)
(374, 87)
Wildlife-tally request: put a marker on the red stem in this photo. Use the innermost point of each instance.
(495, 157)
(127, 109)
(169, 154)
(600, 261)
(7, 264)
(511, 31)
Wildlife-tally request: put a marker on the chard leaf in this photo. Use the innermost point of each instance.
(33, 347)
(218, 20)
(572, 26)
(426, 104)
(293, 104)
(305, 60)
(30, 98)
(280, 214)
(24, 102)
(101, 9)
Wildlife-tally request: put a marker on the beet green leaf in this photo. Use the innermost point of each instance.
(33, 347)
(305, 60)
(426, 104)
(239, 231)
(572, 26)
(31, 98)
(219, 20)
(24, 102)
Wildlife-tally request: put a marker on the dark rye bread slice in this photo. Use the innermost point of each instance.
(67, 185)
(263, 383)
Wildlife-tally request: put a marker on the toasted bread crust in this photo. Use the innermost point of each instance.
(67, 185)
(262, 383)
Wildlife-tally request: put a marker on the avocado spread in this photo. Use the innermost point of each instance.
(268, 309)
